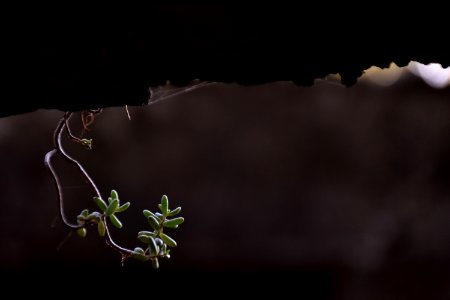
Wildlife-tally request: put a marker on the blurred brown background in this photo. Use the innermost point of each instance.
(347, 187)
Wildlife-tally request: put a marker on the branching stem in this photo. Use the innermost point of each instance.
(64, 124)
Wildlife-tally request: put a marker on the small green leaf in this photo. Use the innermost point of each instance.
(164, 205)
(159, 242)
(112, 207)
(110, 200)
(139, 250)
(173, 223)
(139, 254)
(153, 223)
(168, 240)
(100, 203)
(174, 212)
(159, 216)
(81, 218)
(115, 221)
(155, 263)
(124, 207)
(81, 232)
(144, 238)
(163, 250)
(94, 217)
(114, 195)
(154, 249)
(147, 213)
(101, 228)
(147, 233)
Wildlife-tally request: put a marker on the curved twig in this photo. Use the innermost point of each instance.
(123, 251)
(58, 144)
(48, 164)
(63, 124)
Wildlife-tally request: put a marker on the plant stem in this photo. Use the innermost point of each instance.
(68, 158)
(63, 124)
(48, 164)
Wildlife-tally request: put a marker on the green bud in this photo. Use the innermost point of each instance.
(153, 223)
(115, 221)
(114, 195)
(81, 232)
(112, 207)
(173, 223)
(84, 212)
(168, 240)
(100, 203)
(87, 143)
(164, 205)
(101, 228)
(174, 212)
(123, 207)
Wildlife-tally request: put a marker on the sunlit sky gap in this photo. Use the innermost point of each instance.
(433, 74)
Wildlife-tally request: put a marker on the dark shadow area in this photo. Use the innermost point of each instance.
(344, 189)
(80, 58)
